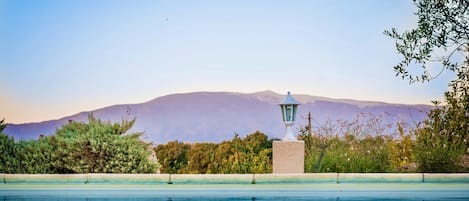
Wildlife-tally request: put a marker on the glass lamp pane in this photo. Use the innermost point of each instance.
(289, 112)
(295, 107)
(283, 112)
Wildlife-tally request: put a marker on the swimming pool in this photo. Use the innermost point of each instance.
(236, 192)
(187, 188)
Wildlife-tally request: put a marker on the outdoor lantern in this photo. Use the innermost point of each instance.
(289, 107)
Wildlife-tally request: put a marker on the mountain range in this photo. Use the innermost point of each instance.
(217, 116)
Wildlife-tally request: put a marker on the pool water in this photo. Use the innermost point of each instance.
(228, 192)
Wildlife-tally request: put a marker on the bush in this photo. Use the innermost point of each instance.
(358, 146)
(200, 157)
(253, 154)
(103, 147)
(401, 152)
(348, 154)
(173, 157)
(8, 162)
(442, 139)
(93, 147)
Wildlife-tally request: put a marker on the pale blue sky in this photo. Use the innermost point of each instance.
(58, 58)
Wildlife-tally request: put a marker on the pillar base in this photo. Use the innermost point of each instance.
(288, 156)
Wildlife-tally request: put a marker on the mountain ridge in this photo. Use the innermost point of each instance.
(216, 116)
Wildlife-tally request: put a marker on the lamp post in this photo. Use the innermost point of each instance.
(289, 107)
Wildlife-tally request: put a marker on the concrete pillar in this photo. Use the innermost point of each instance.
(288, 157)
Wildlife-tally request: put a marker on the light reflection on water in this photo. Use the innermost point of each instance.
(133, 196)
(27, 198)
(332, 192)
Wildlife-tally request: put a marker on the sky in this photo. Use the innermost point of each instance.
(58, 58)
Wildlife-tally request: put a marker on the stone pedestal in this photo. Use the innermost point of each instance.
(288, 156)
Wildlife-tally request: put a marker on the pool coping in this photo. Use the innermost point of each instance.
(234, 178)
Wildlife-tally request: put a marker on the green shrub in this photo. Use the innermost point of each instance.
(358, 146)
(8, 161)
(442, 139)
(77, 147)
(173, 157)
(253, 154)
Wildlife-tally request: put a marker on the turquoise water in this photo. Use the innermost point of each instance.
(228, 192)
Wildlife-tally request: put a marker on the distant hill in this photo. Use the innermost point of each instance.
(216, 116)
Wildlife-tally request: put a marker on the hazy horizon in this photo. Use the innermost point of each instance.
(59, 58)
(233, 92)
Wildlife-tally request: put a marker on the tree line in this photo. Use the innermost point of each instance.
(359, 145)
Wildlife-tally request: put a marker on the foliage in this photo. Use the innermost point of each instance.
(8, 150)
(3, 125)
(347, 154)
(38, 157)
(103, 147)
(253, 154)
(200, 157)
(93, 147)
(401, 151)
(437, 145)
(8, 162)
(172, 156)
(442, 140)
(358, 145)
(443, 29)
